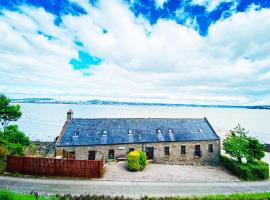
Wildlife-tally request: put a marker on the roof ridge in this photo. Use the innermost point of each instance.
(111, 118)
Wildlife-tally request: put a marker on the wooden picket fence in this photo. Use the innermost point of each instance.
(55, 167)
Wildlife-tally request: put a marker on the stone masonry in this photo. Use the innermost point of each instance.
(174, 157)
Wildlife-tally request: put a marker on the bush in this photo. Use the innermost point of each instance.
(3, 164)
(15, 149)
(13, 140)
(12, 134)
(3, 151)
(257, 170)
(143, 159)
(137, 160)
(134, 161)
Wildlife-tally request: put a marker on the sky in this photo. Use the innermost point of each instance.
(167, 51)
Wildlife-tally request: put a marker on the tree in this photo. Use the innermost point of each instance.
(8, 112)
(12, 140)
(255, 150)
(236, 142)
(12, 134)
(238, 145)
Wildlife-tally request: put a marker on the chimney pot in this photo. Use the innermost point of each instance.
(70, 114)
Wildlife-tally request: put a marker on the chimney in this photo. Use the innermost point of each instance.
(70, 115)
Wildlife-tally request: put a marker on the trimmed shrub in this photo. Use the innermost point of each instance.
(137, 160)
(257, 170)
(134, 161)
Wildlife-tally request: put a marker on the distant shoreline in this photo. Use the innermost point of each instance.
(102, 102)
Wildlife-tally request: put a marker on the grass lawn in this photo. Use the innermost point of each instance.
(9, 195)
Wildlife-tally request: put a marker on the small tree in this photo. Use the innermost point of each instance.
(8, 112)
(12, 134)
(236, 142)
(238, 145)
(12, 140)
(255, 150)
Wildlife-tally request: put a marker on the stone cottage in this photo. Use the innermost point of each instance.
(165, 140)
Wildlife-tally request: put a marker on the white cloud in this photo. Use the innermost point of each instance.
(211, 4)
(166, 62)
(160, 3)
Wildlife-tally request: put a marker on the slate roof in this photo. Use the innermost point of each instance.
(81, 132)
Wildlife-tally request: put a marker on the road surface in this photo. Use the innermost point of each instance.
(127, 188)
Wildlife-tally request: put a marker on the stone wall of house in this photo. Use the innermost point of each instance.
(175, 156)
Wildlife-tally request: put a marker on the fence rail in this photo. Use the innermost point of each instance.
(55, 167)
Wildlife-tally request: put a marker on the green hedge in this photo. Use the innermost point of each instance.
(257, 170)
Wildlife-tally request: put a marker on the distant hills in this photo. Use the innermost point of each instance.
(103, 102)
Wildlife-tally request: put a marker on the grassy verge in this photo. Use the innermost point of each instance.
(9, 195)
(246, 196)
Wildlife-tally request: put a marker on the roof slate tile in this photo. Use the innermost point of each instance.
(90, 131)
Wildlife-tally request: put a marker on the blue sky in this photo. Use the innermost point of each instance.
(170, 51)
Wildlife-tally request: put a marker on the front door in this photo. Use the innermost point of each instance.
(149, 153)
